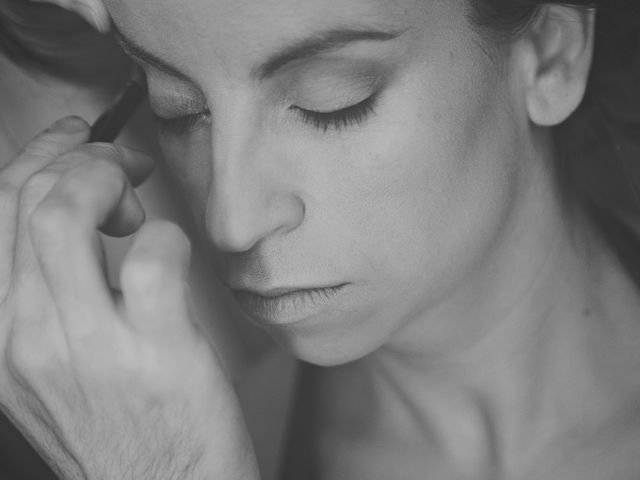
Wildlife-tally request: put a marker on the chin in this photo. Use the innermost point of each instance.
(322, 344)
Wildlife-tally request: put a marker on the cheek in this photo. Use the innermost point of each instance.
(423, 200)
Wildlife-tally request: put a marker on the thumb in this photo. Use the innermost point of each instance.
(93, 11)
(154, 281)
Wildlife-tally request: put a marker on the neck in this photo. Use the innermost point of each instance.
(487, 374)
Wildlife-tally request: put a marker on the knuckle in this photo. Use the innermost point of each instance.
(100, 151)
(39, 148)
(18, 358)
(39, 183)
(98, 156)
(100, 169)
(35, 189)
(99, 172)
(50, 222)
(45, 146)
(23, 359)
(108, 171)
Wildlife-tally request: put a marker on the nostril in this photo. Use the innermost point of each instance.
(230, 230)
(288, 215)
(237, 226)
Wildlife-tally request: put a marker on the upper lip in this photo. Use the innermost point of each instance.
(282, 291)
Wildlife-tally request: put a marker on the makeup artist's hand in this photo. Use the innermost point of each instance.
(105, 386)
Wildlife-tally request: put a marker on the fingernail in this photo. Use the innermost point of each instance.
(69, 125)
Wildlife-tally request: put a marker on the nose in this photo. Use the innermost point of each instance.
(251, 195)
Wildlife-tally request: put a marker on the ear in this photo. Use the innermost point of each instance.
(93, 11)
(561, 50)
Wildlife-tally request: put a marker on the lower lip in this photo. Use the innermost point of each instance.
(287, 308)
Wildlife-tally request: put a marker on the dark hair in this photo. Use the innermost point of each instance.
(599, 145)
(51, 40)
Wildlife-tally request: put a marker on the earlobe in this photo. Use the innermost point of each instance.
(93, 11)
(561, 42)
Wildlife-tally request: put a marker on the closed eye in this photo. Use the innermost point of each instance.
(339, 119)
(183, 124)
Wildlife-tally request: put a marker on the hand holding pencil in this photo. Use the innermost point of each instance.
(87, 376)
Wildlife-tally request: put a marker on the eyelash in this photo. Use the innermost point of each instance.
(337, 120)
(182, 125)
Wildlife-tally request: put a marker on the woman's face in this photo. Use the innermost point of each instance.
(351, 161)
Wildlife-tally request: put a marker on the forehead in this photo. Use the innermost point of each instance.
(238, 33)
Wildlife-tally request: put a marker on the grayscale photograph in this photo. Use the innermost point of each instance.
(319, 240)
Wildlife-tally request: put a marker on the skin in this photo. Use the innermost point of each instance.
(286, 205)
(445, 361)
(31, 102)
(424, 210)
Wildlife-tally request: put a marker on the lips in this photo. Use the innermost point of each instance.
(287, 305)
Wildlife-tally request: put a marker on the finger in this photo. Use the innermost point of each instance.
(136, 164)
(41, 153)
(90, 176)
(154, 280)
(63, 233)
(23, 193)
(93, 11)
(61, 137)
(83, 189)
(21, 196)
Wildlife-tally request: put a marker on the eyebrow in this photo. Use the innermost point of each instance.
(321, 42)
(135, 51)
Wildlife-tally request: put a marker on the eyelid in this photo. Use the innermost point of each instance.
(164, 108)
(169, 98)
(347, 105)
(331, 90)
(352, 115)
(183, 124)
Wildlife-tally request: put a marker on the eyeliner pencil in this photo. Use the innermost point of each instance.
(108, 126)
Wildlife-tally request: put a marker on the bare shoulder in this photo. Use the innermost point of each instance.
(611, 452)
(607, 445)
